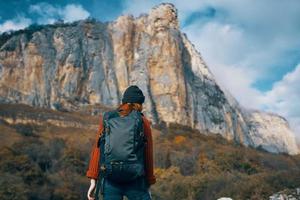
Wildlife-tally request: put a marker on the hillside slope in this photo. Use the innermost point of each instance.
(42, 160)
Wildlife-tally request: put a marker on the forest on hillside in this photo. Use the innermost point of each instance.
(42, 161)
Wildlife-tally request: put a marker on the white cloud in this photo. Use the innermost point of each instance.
(74, 12)
(284, 99)
(218, 44)
(248, 34)
(15, 24)
(48, 13)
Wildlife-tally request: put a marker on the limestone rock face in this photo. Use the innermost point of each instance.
(271, 132)
(89, 62)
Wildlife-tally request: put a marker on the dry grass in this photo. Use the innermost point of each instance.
(189, 164)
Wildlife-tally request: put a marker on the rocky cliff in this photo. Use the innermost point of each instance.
(63, 66)
(271, 132)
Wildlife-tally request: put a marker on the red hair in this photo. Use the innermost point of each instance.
(126, 108)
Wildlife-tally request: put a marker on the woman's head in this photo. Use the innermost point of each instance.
(133, 98)
(133, 94)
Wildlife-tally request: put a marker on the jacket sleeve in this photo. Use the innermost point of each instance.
(93, 168)
(149, 153)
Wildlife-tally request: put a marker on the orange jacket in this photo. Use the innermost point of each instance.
(93, 168)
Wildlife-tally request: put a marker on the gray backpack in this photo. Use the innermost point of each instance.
(122, 146)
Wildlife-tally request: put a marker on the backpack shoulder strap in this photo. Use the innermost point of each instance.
(108, 115)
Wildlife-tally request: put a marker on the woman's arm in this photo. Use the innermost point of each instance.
(91, 190)
(149, 152)
(93, 168)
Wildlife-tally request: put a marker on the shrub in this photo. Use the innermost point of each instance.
(22, 166)
(13, 188)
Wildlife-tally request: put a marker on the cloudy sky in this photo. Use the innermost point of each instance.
(251, 46)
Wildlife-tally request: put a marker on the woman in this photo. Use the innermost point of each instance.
(133, 99)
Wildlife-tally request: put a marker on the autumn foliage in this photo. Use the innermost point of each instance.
(49, 162)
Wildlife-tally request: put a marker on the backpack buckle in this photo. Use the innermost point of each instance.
(102, 167)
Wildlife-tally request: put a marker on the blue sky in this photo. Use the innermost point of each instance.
(251, 46)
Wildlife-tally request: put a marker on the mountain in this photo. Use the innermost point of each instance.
(87, 62)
